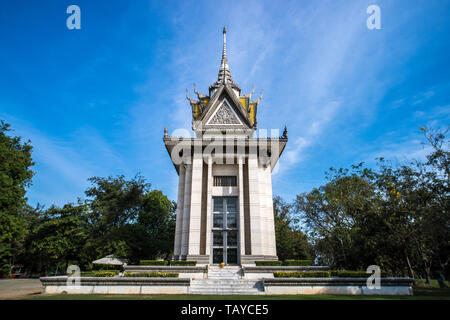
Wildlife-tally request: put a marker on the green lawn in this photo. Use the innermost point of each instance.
(427, 293)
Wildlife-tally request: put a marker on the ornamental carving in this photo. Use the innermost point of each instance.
(224, 116)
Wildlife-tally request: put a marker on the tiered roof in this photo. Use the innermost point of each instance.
(224, 107)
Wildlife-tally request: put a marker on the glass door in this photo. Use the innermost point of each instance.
(225, 230)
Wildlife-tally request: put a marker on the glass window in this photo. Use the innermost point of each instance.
(232, 238)
(232, 256)
(218, 220)
(217, 255)
(218, 238)
(225, 235)
(231, 204)
(231, 220)
(218, 204)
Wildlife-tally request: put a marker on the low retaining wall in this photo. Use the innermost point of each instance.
(116, 285)
(259, 272)
(192, 272)
(142, 285)
(351, 286)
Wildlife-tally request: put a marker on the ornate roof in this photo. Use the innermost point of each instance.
(224, 107)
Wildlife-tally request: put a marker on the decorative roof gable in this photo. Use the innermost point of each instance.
(208, 110)
(224, 115)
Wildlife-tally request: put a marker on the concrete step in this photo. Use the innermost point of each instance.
(225, 286)
(222, 281)
(228, 292)
(208, 289)
(226, 280)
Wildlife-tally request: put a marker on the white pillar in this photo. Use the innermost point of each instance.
(196, 205)
(254, 198)
(186, 210)
(241, 208)
(271, 220)
(179, 217)
(209, 208)
(266, 205)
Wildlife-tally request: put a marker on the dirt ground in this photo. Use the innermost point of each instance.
(19, 288)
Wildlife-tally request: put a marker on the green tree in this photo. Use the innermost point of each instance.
(291, 242)
(395, 217)
(332, 213)
(128, 219)
(15, 178)
(57, 237)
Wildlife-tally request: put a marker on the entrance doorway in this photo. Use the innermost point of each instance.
(225, 230)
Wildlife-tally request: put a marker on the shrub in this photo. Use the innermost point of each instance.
(152, 274)
(105, 273)
(298, 263)
(302, 274)
(355, 274)
(268, 263)
(103, 267)
(154, 262)
(183, 263)
(349, 274)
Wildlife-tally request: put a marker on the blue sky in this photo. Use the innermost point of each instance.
(94, 101)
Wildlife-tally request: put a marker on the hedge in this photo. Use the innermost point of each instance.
(152, 274)
(298, 263)
(105, 273)
(154, 262)
(268, 263)
(325, 274)
(302, 274)
(355, 274)
(349, 274)
(183, 263)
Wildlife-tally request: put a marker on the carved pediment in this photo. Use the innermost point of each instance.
(224, 115)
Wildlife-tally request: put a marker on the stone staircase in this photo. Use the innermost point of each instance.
(227, 280)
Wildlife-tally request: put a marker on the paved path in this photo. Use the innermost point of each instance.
(18, 288)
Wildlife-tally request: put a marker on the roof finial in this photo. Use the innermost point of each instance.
(224, 76)
(285, 133)
(224, 62)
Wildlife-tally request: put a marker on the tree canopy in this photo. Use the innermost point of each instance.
(394, 217)
(15, 177)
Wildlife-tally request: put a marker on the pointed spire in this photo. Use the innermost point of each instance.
(224, 62)
(224, 71)
(224, 76)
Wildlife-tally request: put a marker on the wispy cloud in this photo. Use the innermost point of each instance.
(346, 93)
(66, 161)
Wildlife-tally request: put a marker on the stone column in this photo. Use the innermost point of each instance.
(254, 197)
(267, 220)
(209, 208)
(196, 207)
(241, 208)
(186, 211)
(271, 221)
(179, 221)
